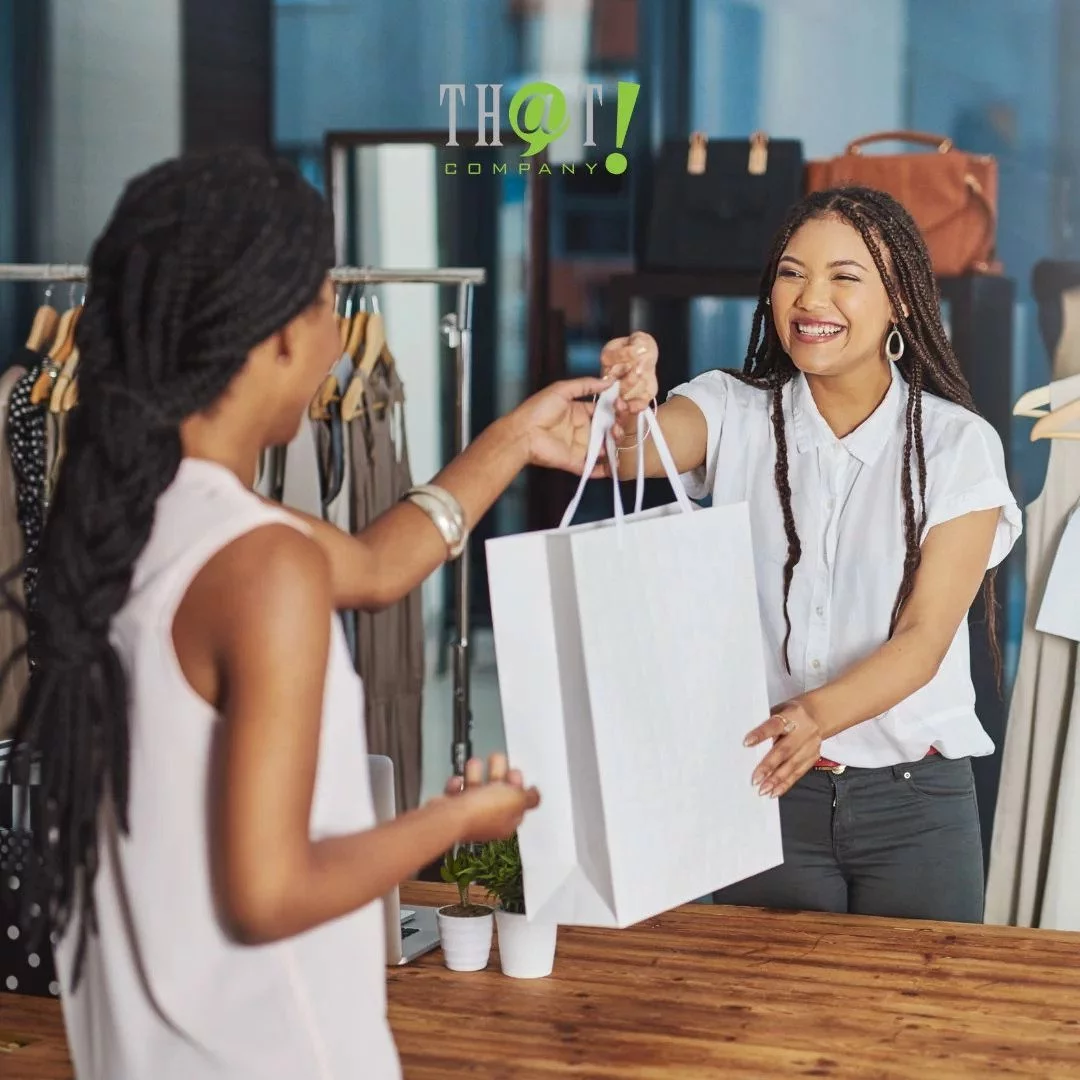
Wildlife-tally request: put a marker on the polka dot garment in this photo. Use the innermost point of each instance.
(26, 435)
(22, 970)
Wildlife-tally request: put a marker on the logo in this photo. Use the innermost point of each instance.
(539, 115)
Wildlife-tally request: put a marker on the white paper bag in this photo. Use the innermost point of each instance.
(631, 667)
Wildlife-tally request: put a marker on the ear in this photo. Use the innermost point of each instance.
(284, 343)
(906, 312)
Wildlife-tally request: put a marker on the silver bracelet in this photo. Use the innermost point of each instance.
(445, 513)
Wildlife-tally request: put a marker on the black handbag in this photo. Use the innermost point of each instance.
(717, 204)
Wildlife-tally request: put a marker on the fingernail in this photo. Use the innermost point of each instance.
(749, 740)
(641, 350)
(755, 780)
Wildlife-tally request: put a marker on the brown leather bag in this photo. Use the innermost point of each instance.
(952, 195)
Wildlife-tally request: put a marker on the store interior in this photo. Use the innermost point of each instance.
(359, 95)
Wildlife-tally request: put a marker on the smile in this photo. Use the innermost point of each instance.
(817, 331)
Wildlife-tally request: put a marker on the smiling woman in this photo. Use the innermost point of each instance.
(879, 503)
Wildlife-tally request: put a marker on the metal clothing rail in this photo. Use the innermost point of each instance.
(456, 327)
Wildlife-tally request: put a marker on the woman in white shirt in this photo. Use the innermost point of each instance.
(879, 505)
(208, 855)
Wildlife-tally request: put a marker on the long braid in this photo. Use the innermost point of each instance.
(203, 259)
(929, 365)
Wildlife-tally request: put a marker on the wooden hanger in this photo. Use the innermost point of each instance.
(63, 395)
(1033, 403)
(58, 356)
(374, 344)
(352, 404)
(43, 328)
(1056, 424)
(319, 409)
(357, 335)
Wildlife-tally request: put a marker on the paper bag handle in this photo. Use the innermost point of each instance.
(600, 435)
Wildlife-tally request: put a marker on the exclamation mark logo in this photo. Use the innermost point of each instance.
(615, 162)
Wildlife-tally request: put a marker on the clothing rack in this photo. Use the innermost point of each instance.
(456, 327)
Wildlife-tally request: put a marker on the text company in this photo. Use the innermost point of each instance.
(538, 115)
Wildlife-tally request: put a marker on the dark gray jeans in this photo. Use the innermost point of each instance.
(902, 842)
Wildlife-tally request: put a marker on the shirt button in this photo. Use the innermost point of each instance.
(816, 664)
(820, 611)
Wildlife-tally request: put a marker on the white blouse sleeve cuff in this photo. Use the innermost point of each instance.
(986, 495)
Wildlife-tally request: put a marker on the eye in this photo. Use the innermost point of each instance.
(846, 277)
(787, 272)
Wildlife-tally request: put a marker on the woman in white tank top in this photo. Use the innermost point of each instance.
(210, 860)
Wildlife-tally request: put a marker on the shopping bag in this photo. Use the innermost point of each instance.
(631, 667)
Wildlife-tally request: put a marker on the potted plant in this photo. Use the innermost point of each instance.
(526, 949)
(465, 928)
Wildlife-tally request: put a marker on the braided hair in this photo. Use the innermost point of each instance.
(928, 365)
(204, 258)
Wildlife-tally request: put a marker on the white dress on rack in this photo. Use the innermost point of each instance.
(166, 994)
(1034, 873)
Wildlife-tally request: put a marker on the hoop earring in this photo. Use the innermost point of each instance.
(894, 345)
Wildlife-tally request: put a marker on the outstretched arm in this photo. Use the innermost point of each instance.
(682, 423)
(955, 555)
(401, 548)
(252, 636)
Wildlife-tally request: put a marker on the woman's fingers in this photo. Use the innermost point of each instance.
(788, 774)
(498, 767)
(474, 772)
(773, 728)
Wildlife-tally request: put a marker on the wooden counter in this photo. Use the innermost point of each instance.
(721, 992)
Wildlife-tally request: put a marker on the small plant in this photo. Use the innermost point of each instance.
(497, 870)
(459, 868)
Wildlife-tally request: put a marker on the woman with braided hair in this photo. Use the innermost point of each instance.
(208, 853)
(879, 504)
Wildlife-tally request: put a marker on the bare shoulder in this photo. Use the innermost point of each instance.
(266, 592)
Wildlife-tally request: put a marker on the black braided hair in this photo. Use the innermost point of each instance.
(204, 258)
(929, 365)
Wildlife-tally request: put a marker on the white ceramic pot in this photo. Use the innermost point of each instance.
(466, 939)
(526, 949)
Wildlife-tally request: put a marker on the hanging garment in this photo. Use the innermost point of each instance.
(1041, 761)
(27, 443)
(12, 627)
(302, 488)
(335, 473)
(390, 643)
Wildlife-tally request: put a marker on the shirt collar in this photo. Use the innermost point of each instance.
(866, 442)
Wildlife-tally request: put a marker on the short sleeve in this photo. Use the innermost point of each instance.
(710, 392)
(966, 473)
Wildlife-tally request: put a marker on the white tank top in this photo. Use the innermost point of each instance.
(165, 994)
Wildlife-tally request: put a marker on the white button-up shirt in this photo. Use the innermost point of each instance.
(849, 514)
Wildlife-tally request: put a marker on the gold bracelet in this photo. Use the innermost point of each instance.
(633, 446)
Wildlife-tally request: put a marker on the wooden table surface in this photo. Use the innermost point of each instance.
(719, 992)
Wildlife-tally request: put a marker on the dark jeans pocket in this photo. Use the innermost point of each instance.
(939, 778)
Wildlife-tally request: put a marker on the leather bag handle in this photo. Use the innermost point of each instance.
(941, 143)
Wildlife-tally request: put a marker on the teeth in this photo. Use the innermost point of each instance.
(818, 329)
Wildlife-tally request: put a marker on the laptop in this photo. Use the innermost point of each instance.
(410, 932)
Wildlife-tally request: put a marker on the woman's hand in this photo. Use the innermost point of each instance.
(492, 809)
(796, 748)
(635, 357)
(557, 424)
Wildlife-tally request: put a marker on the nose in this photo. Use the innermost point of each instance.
(814, 295)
